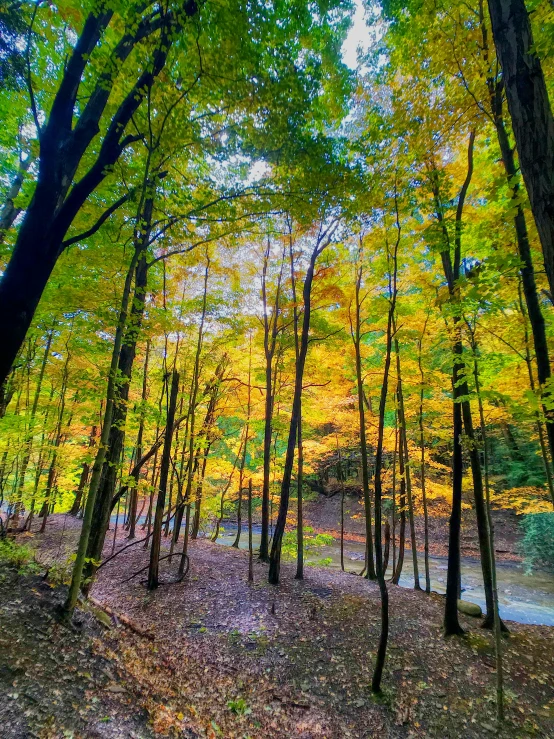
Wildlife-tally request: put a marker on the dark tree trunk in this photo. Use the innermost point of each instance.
(275, 558)
(271, 331)
(105, 497)
(384, 635)
(451, 274)
(153, 571)
(355, 330)
(531, 115)
(404, 437)
(402, 505)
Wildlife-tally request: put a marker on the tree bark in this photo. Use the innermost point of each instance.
(531, 115)
(355, 331)
(275, 557)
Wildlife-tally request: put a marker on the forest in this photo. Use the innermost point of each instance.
(276, 394)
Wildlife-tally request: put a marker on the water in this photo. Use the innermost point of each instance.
(528, 599)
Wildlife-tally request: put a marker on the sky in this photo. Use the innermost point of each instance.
(358, 36)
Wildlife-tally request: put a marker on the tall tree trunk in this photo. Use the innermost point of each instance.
(76, 507)
(402, 505)
(540, 431)
(422, 463)
(451, 273)
(104, 500)
(153, 570)
(271, 332)
(192, 430)
(355, 331)
(497, 622)
(138, 447)
(76, 577)
(323, 240)
(531, 115)
(243, 460)
(300, 467)
(536, 318)
(250, 552)
(404, 436)
(384, 635)
(56, 444)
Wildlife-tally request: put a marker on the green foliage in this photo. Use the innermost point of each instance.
(239, 707)
(312, 542)
(538, 540)
(20, 556)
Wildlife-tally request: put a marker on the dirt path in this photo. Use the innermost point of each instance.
(229, 659)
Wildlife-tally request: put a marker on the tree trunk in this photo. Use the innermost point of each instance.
(422, 463)
(355, 331)
(153, 570)
(105, 498)
(271, 331)
(76, 507)
(275, 557)
(404, 436)
(65, 137)
(384, 635)
(71, 600)
(531, 115)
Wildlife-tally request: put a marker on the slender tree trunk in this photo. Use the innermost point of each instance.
(243, 460)
(192, 429)
(71, 600)
(271, 332)
(56, 444)
(402, 505)
(384, 635)
(75, 508)
(138, 447)
(104, 500)
(422, 463)
(394, 457)
(198, 501)
(153, 570)
(497, 622)
(340, 479)
(451, 272)
(225, 490)
(250, 552)
(540, 431)
(403, 426)
(355, 330)
(275, 557)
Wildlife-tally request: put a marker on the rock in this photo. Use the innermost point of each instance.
(470, 609)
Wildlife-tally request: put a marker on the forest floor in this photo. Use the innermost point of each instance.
(216, 656)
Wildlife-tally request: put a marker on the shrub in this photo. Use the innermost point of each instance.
(538, 540)
(20, 556)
